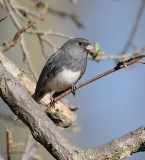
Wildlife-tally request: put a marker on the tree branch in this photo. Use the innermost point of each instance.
(45, 132)
(120, 65)
(8, 145)
(61, 114)
(12, 43)
(3, 19)
(1, 158)
(134, 29)
(22, 43)
(62, 14)
(118, 148)
(42, 128)
(119, 56)
(27, 11)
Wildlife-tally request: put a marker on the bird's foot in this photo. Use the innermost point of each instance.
(73, 89)
(52, 102)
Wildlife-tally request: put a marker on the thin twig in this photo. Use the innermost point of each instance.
(72, 108)
(118, 57)
(50, 43)
(17, 9)
(15, 39)
(131, 37)
(28, 143)
(44, 53)
(119, 66)
(8, 145)
(27, 11)
(38, 2)
(71, 16)
(1, 158)
(62, 14)
(2, 4)
(22, 43)
(6, 117)
(33, 150)
(49, 32)
(28, 20)
(27, 56)
(7, 46)
(3, 19)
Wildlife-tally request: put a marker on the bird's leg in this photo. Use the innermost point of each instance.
(52, 101)
(73, 89)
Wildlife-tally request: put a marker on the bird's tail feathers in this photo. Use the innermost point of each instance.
(37, 96)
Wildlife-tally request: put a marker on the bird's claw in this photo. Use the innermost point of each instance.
(52, 102)
(73, 89)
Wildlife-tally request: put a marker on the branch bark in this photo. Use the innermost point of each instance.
(41, 127)
(61, 115)
(45, 132)
(119, 148)
(3, 19)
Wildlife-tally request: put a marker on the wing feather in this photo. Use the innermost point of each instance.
(46, 74)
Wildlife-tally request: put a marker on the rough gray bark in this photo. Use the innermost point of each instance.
(61, 115)
(42, 128)
(45, 132)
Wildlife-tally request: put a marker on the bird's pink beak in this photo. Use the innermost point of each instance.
(89, 47)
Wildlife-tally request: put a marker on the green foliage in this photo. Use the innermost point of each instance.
(97, 49)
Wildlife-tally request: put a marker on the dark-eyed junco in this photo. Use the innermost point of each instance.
(63, 69)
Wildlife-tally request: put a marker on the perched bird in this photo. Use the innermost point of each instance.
(63, 69)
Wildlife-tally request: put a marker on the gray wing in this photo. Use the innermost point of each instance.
(48, 71)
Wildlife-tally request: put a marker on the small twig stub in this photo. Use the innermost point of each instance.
(3, 19)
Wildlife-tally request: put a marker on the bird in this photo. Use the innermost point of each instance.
(63, 69)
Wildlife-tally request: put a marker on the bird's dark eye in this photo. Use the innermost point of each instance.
(80, 43)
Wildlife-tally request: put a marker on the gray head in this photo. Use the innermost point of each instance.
(77, 46)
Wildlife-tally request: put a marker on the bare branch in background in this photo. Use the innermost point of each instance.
(15, 39)
(16, 9)
(29, 152)
(28, 142)
(131, 37)
(25, 18)
(8, 145)
(50, 33)
(22, 42)
(25, 11)
(3, 19)
(116, 56)
(6, 117)
(47, 8)
(2, 4)
(1, 158)
(71, 16)
(32, 154)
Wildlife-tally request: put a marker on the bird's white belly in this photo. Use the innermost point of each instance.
(63, 80)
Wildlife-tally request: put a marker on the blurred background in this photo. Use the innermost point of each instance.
(109, 107)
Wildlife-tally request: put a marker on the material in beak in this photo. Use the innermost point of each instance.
(89, 48)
